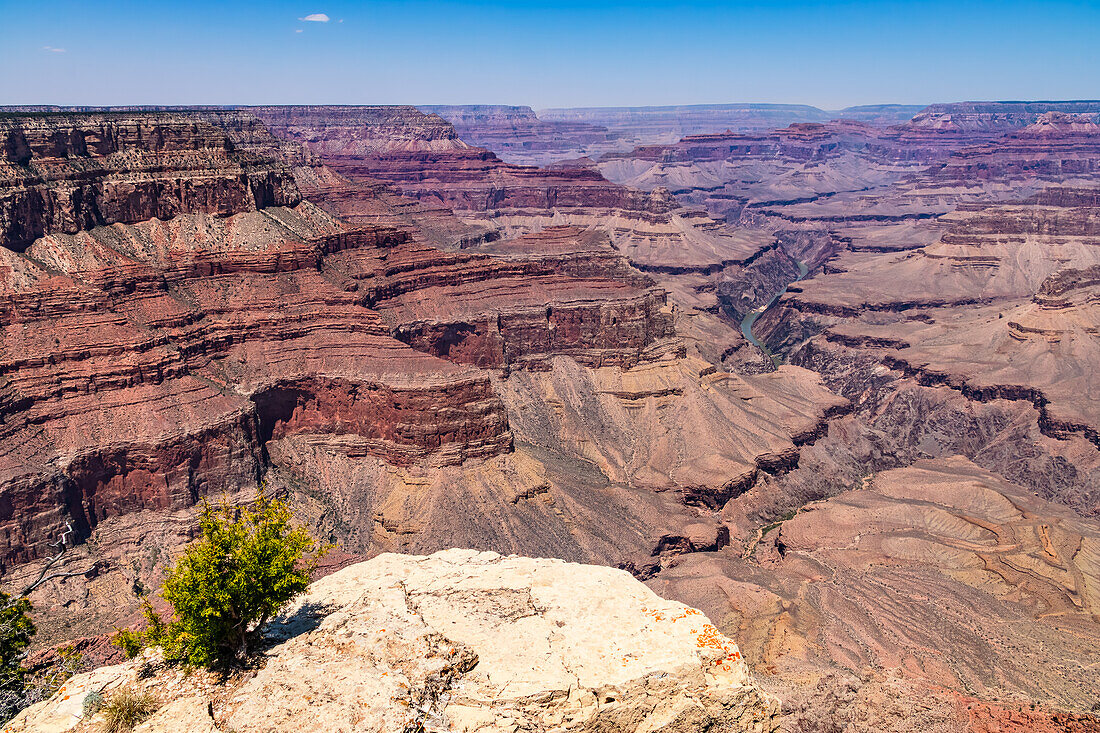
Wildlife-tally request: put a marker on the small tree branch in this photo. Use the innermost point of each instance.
(62, 546)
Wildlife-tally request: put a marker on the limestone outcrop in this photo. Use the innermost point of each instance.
(458, 641)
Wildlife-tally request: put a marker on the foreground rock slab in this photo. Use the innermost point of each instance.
(462, 641)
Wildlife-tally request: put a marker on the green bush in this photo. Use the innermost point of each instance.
(93, 703)
(247, 565)
(16, 630)
(125, 709)
(129, 641)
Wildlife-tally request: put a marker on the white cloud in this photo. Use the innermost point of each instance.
(316, 18)
(297, 30)
(51, 49)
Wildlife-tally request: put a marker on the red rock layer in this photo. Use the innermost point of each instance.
(805, 143)
(1056, 147)
(525, 303)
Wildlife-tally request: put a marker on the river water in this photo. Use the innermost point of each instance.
(751, 316)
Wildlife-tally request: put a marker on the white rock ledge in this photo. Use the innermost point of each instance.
(465, 641)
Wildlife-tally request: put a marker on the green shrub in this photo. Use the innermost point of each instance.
(247, 565)
(16, 630)
(93, 703)
(129, 641)
(125, 709)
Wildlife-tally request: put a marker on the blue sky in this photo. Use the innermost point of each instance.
(546, 54)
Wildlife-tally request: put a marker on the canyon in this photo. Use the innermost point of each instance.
(522, 135)
(527, 334)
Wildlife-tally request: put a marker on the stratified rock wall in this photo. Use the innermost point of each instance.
(156, 371)
(423, 156)
(66, 173)
(149, 364)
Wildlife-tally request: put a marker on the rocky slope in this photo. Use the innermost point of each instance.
(1001, 308)
(459, 641)
(902, 574)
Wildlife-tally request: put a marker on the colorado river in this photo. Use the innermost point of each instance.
(751, 316)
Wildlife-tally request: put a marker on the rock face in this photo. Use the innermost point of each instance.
(1000, 308)
(997, 116)
(424, 158)
(66, 173)
(578, 298)
(464, 641)
(1055, 147)
(179, 317)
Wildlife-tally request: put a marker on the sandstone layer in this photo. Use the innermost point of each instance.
(67, 173)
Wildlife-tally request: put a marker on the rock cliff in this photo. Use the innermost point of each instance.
(66, 173)
(458, 641)
(996, 116)
(422, 155)
(179, 316)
